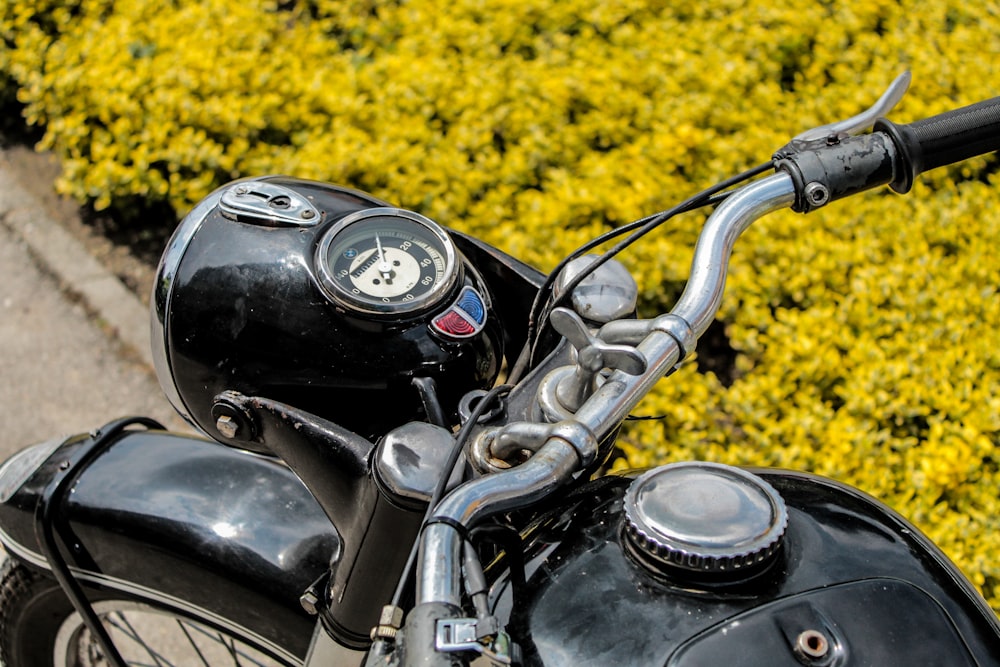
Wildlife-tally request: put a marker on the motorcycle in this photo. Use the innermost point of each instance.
(367, 493)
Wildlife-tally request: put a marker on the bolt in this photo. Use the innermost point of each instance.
(391, 615)
(310, 602)
(389, 623)
(817, 194)
(242, 190)
(308, 214)
(227, 426)
(812, 644)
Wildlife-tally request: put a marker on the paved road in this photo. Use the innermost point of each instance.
(64, 368)
(74, 344)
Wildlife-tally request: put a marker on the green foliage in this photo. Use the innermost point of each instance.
(866, 334)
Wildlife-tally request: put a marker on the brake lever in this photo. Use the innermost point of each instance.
(854, 125)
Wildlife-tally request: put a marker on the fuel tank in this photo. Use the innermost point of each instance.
(849, 582)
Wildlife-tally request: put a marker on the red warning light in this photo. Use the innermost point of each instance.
(453, 324)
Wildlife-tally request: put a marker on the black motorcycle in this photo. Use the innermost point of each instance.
(369, 494)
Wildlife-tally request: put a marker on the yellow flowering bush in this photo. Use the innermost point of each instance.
(865, 335)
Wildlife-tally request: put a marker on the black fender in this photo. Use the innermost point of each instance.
(228, 536)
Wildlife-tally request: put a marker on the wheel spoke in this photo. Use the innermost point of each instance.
(183, 626)
(232, 652)
(122, 624)
(230, 645)
(134, 625)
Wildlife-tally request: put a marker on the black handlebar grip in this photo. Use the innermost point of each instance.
(944, 139)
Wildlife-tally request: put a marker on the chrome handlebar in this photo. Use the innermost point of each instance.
(572, 444)
(814, 169)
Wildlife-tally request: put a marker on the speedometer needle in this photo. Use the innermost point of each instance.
(383, 265)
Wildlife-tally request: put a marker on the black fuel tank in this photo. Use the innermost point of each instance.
(851, 584)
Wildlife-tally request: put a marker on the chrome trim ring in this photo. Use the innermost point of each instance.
(162, 293)
(336, 293)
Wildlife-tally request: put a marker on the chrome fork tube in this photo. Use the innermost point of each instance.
(439, 564)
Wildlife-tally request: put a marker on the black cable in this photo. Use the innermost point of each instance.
(524, 358)
(508, 539)
(638, 229)
(379, 648)
(446, 473)
(47, 514)
(427, 389)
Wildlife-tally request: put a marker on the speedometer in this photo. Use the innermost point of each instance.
(385, 261)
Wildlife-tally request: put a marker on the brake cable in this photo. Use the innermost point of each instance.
(379, 646)
(636, 230)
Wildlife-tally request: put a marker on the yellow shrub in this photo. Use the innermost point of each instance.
(866, 334)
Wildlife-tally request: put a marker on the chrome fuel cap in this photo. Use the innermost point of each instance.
(704, 519)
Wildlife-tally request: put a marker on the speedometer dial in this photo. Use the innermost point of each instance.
(385, 261)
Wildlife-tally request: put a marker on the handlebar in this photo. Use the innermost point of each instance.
(837, 166)
(943, 139)
(815, 173)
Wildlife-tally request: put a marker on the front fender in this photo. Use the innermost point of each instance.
(224, 534)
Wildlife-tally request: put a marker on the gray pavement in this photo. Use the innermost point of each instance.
(74, 342)
(74, 346)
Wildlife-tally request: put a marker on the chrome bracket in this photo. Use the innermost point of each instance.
(493, 449)
(265, 203)
(592, 356)
(460, 634)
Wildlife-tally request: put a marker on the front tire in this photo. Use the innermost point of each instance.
(40, 628)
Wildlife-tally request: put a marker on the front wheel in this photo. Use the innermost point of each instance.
(40, 628)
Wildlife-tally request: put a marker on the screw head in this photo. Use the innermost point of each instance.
(227, 426)
(817, 194)
(812, 644)
(310, 602)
